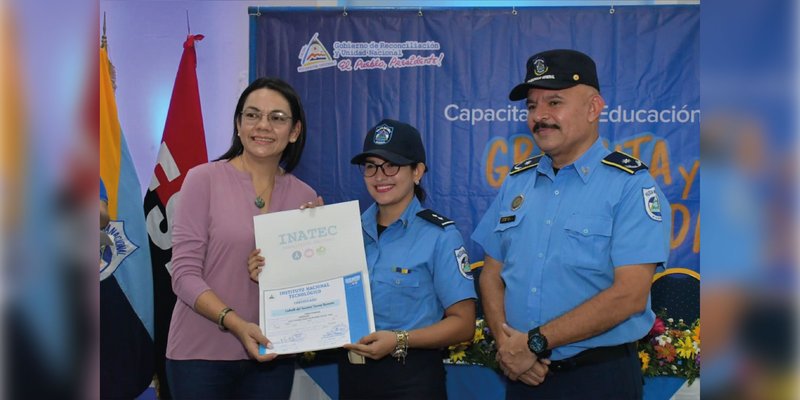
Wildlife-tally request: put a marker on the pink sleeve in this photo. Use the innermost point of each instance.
(190, 236)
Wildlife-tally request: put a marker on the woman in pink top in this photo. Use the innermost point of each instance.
(212, 349)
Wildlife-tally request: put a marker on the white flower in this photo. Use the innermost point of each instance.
(670, 320)
(674, 368)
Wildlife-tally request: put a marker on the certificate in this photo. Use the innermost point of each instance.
(314, 290)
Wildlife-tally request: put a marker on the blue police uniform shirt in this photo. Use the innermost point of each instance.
(416, 269)
(560, 245)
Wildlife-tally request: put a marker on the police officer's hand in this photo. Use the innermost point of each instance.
(255, 263)
(535, 376)
(376, 345)
(514, 356)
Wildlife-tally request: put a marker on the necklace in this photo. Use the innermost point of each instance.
(259, 201)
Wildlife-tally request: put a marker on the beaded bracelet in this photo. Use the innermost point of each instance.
(221, 318)
(401, 349)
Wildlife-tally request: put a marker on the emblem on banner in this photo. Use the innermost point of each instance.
(539, 67)
(314, 55)
(116, 253)
(383, 134)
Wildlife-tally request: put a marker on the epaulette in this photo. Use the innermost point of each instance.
(624, 162)
(434, 218)
(525, 164)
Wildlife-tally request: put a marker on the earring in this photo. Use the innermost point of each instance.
(416, 182)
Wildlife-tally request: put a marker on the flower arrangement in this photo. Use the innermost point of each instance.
(480, 350)
(671, 348)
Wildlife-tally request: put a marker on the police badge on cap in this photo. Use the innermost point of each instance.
(556, 69)
(393, 141)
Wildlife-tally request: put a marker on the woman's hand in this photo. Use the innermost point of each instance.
(376, 345)
(255, 263)
(250, 335)
(312, 204)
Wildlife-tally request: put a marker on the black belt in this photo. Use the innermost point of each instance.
(594, 356)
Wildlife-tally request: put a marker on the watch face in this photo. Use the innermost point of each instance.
(536, 343)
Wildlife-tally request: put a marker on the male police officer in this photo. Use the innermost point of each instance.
(572, 242)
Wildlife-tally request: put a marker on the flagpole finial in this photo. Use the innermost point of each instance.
(103, 39)
(188, 28)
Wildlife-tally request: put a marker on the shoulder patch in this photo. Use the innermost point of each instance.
(434, 218)
(525, 164)
(624, 162)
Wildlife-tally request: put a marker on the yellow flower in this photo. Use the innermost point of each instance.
(645, 359)
(685, 348)
(478, 335)
(456, 356)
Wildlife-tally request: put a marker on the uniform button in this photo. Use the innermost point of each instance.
(541, 255)
(556, 192)
(548, 222)
(533, 290)
(585, 231)
(397, 281)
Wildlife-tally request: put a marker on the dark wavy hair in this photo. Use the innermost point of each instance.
(291, 155)
(418, 190)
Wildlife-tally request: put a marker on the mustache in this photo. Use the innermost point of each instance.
(540, 125)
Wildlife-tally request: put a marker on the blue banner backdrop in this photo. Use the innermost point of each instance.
(448, 72)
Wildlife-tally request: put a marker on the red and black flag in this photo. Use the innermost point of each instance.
(183, 146)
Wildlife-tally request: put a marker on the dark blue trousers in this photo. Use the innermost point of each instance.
(618, 378)
(242, 379)
(422, 377)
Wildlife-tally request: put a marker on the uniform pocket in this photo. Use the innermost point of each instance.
(395, 296)
(509, 229)
(398, 280)
(588, 241)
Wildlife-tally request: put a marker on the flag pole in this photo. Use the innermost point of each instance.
(103, 40)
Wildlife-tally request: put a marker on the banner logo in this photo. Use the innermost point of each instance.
(314, 55)
(363, 56)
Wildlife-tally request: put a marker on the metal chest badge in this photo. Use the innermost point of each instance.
(517, 202)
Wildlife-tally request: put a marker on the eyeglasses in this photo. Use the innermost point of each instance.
(275, 118)
(370, 169)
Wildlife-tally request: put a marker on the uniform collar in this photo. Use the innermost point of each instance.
(584, 166)
(369, 220)
(590, 160)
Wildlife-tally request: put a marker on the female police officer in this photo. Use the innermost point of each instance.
(422, 292)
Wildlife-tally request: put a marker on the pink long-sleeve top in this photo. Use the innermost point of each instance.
(211, 240)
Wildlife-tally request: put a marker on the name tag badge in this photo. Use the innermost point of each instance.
(510, 218)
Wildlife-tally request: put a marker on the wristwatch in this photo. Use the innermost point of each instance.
(537, 343)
